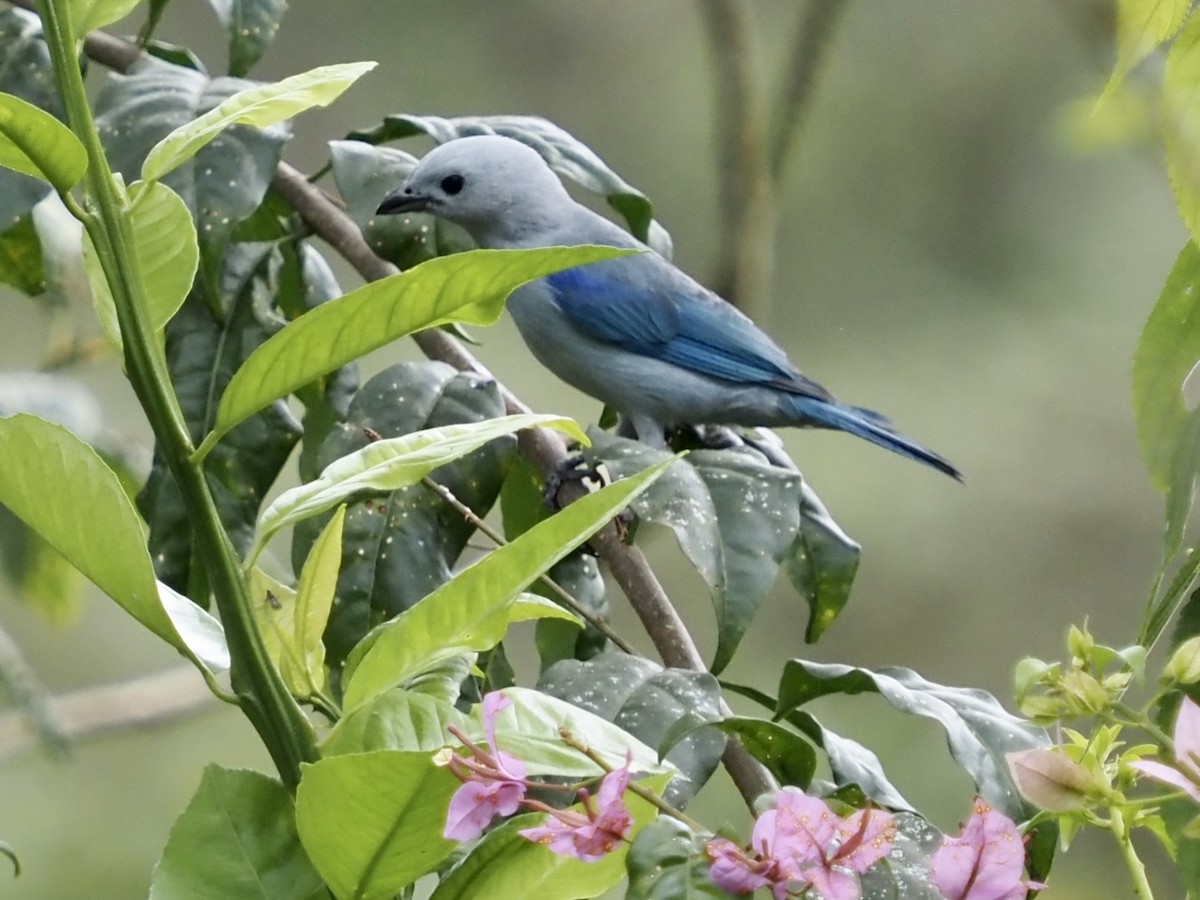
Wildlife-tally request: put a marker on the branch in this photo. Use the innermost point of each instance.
(747, 208)
(809, 47)
(139, 703)
(545, 449)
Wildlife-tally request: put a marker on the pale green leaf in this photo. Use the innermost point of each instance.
(372, 822)
(1141, 26)
(35, 143)
(389, 465)
(63, 490)
(1181, 123)
(314, 598)
(1168, 349)
(88, 15)
(164, 243)
(396, 720)
(259, 106)
(467, 287)
(390, 654)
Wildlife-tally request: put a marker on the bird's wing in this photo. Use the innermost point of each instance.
(643, 305)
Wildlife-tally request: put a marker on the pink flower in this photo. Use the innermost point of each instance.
(1185, 775)
(801, 841)
(594, 833)
(985, 863)
(493, 781)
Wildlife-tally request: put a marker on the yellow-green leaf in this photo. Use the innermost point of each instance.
(1143, 25)
(35, 143)
(164, 242)
(260, 106)
(1181, 121)
(88, 15)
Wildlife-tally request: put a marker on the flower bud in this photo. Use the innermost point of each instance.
(1184, 665)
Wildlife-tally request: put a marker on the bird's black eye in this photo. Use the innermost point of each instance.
(452, 184)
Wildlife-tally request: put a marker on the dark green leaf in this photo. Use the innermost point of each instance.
(372, 822)
(566, 155)
(237, 838)
(225, 181)
(822, 565)
(174, 54)
(979, 730)
(521, 508)
(364, 176)
(905, 871)
(646, 700)
(472, 610)
(202, 354)
(667, 862)
(468, 287)
(21, 258)
(790, 758)
(735, 517)
(1168, 349)
(400, 546)
(251, 26)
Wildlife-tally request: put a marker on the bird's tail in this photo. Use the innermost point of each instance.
(868, 425)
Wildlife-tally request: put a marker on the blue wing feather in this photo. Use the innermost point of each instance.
(645, 306)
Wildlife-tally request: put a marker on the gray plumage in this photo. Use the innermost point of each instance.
(635, 332)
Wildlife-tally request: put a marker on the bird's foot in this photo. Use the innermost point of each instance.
(570, 470)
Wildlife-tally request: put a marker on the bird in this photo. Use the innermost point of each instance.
(635, 332)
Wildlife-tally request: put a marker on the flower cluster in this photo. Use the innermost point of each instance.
(801, 845)
(494, 784)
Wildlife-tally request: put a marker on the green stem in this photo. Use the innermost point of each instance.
(1142, 721)
(282, 725)
(1137, 872)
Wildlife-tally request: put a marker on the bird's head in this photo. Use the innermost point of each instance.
(500, 190)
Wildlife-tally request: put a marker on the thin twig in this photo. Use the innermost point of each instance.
(812, 40)
(139, 703)
(545, 449)
(559, 591)
(747, 202)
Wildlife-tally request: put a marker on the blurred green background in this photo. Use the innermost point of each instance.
(948, 253)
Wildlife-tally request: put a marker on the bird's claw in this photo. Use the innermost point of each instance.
(571, 469)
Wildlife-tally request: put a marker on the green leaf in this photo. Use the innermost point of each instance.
(1181, 122)
(63, 490)
(203, 350)
(735, 516)
(1168, 349)
(237, 838)
(563, 152)
(225, 181)
(372, 822)
(667, 862)
(165, 245)
(646, 700)
(790, 758)
(395, 720)
(251, 25)
(400, 546)
(1181, 489)
(531, 729)
(822, 565)
(468, 287)
(365, 174)
(261, 106)
(88, 15)
(21, 263)
(504, 864)
(979, 730)
(390, 464)
(292, 622)
(473, 607)
(35, 143)
(1143, 25)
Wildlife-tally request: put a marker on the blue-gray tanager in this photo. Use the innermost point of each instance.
(634, 332)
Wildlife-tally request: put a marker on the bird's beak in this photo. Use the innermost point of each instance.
(402, 200)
